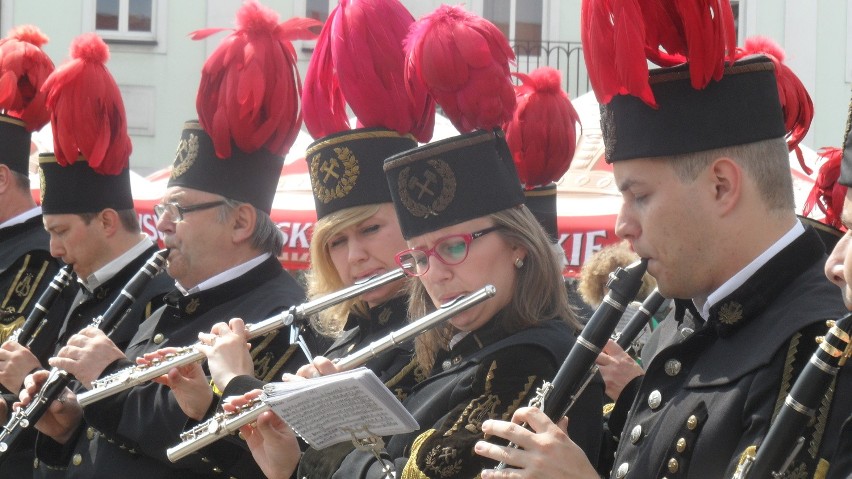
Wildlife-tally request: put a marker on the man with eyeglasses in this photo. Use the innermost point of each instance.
(223, 249)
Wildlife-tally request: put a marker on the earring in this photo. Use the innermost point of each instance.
(519, 263)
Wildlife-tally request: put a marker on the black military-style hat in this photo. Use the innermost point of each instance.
(14, 144)
(346, 167)
(247, 177)
(541, 202)
(77, 188)
(89, 168)
(846, 163)
(743, 107)
(451, 181)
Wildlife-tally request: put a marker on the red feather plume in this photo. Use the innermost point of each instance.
(359, 61)
(828, 194)
(463, 60)
(86, 110)
(795, 101)
(24, 67)
(618, 36)
(543, 132)
(250, 87)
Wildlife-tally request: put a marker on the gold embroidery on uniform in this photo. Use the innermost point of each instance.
(25, 285)
(821, 420)
(187, 153)
(193, 305)
(384, 316)
(444, 461)
(17, 279)
(479, 409)
(405, 371)
(798, 472)
(270, 375)
(787, 375)
(42, 185)
(411, 471)
(731, 313)
(262, 362)
(821, 469)
(522, 396)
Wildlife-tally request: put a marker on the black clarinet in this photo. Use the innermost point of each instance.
(784, 438)
(58, 379)
(37, 318)
(561, 393)
(637, 323)
(557, 397)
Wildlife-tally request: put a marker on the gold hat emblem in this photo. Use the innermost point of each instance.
(430, 192)
(187, 153)
(334, 177)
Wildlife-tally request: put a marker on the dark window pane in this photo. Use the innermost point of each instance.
(498, 12)
(140, 16)
(106, 16)
(528, 27)
(317, 9)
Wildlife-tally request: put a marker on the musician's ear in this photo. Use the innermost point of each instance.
(727, 178)
(243, 222)
(110, 221)
(5, 177)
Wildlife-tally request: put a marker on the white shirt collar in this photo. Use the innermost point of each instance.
(112, 268)
(224, 276)
(32, 213)
(744, 274)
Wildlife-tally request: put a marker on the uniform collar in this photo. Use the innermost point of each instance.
(224, 276)
(109, 270)
(21, 218)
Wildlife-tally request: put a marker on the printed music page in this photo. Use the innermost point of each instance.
(331, 409)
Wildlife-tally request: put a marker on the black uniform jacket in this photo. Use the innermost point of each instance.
(76, 307)
(487, 375)
(128, 434)
(26, 269)
(707, 395)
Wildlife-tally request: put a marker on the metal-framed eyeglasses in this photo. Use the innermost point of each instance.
(175, 212)
(450, 250)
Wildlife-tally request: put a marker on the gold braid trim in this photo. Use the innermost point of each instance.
(34, 287)
(280, 363)
(822, 419)
(486, 400)
(17, 279)
(787, 376)
(410, 471)
(821, 469)
(518, 400)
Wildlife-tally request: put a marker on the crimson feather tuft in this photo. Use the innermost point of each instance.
(542, 134)
(795, 101)
(86, 110)
(618, 36)
(463, 60)
(359, 62)
(827, 193)
(24, 67)
(250, 87)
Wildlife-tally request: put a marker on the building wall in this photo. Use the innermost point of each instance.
(160, 83)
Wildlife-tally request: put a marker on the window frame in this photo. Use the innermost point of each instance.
(123, 40)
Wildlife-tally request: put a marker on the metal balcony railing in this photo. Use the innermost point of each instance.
(567, 57)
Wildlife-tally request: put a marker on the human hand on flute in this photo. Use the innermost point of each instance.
(188, 383)
(271, 441)
(86, 355)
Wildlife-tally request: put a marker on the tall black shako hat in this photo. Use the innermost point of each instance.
(360, 59)
(248, 109)
(708, 94)
(89, 169)
(451, 181)
(743, 107)
(22, 106)
(346, 167)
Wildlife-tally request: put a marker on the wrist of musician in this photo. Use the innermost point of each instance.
(117, 365)
(55, 454)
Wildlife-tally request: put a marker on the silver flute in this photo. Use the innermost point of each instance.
(135, 375)
(224, 423)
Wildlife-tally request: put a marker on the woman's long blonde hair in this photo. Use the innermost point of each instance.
(323, 277)
(539, 290)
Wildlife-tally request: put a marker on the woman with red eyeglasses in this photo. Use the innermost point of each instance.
(460, 208)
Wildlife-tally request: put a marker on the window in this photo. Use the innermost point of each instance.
(520, 21)
(318, 10)
(131, 21)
